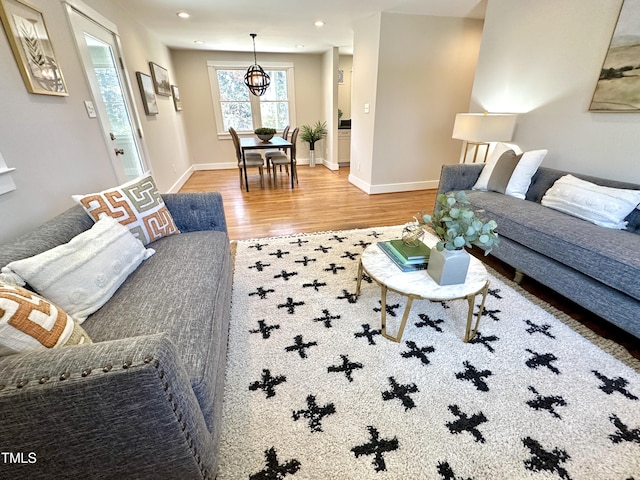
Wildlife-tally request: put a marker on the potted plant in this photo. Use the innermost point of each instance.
(312, 134)
(265, 134)
(457, 226)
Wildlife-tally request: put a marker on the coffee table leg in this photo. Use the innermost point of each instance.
(383, 317)
(469, 334)
(360, 267)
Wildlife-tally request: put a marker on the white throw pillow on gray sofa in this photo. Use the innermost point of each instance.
(80, 276)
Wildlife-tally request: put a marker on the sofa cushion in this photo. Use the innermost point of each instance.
(135, 204)
(30, 322)
(604, 254)
(81, 275)
(183, 290)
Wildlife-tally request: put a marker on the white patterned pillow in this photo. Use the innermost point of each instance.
(82, 275)
(604, 206)
(508, 172)
(136, 204)
(30, 322)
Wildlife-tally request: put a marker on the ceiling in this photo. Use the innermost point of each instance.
(280, 25)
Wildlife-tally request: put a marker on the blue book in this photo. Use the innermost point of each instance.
(405, 267)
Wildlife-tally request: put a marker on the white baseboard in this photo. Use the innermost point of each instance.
(215, 166)
(175, 188)
(392, 187)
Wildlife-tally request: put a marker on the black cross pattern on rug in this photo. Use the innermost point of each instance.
(314, 413)
(375, 234)
(279, 253)
(327, 318)
(624, 433)
(274, 470)
(427, 322)
(347, 367)
(333, 268)
(466, 423)
(401, 392)
(261, 292)
(305, 261)
(495, 293)
(377, 447)
(362, 244)
(322, 249)
(368, 333)
(543, 460)
(299, 242)
(547, 403)
(480, 339)
(338, 238)
(259, 266)
(390, 309)
(315, 285)
(290, 305)
(611, 385)
(446, 472)
(535, 328)
(300, 347)
(475, 376)
(267, 383)
(349, 255)
(542, 360)
(492, 314)
(264, 329)
(285, 275)
(258, 246)
(418, 352)
(350, 297)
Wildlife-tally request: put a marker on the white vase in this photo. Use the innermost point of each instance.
(448, 267)
(312, 158)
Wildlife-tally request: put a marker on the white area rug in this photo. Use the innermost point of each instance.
(313, 391)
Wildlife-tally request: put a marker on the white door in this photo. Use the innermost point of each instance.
(98, 48)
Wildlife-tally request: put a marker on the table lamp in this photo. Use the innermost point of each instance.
(479, 129)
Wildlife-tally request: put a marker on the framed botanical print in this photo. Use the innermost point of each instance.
(32, 48)
(149, 100)
(176, 98)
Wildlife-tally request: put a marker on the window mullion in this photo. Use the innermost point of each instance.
(255, 111)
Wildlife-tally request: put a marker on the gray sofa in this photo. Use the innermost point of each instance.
(596, 267)
(144, 400)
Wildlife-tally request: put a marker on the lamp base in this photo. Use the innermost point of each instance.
(475, 153)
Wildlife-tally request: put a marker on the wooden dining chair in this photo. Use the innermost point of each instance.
(269, 153)
(283, 159)
(252, 159)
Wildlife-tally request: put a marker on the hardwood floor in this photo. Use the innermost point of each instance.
(325, 200)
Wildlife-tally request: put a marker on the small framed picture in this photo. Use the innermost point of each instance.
(340, 77)
(176, 98)
(160, 79)
(32, 48)
(148, 95)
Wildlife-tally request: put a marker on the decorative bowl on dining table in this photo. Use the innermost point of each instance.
(265, 134)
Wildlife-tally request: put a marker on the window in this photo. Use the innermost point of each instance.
(236, 107)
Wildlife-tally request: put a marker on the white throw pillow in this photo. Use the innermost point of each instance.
(604, 206)
(82, 275)
(509, 173)
(500, 148)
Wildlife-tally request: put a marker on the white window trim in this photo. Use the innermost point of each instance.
(212, 66)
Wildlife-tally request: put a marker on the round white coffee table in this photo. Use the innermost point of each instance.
(419, 285)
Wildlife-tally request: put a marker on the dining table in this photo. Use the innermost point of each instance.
(253, 143)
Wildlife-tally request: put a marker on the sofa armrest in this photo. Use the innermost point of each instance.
(461, 176)
(196, 211)
(118, 409)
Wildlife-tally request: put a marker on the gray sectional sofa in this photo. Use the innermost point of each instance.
(144, 400)
(596, 267)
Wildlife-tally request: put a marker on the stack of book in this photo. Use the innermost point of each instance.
(406, 258)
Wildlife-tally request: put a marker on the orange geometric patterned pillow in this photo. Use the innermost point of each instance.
(30, 322)
(136, 204)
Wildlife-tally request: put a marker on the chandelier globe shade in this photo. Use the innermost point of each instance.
(256, 79)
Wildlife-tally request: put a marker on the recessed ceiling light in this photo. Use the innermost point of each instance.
(300, 46)
(318, 23)
(198, 42)
(183, 14)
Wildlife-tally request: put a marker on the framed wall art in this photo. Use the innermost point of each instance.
(32, 48)
(160, 79)
(618, 88)
(149, 100)
(176, 98)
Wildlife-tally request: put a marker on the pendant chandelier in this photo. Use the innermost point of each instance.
(256, 78)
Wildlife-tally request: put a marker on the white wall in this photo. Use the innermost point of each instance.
(542, 59)
(344, 89)
(423, 69)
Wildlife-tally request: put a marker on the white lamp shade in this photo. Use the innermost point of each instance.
(484, 127)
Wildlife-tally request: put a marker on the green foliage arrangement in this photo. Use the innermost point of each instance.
(457, 226)
(265, 131)
(314, 133)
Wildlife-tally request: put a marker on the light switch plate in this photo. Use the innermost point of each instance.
(91, 111)
(366, 108)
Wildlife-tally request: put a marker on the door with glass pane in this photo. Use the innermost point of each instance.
(99, 52)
